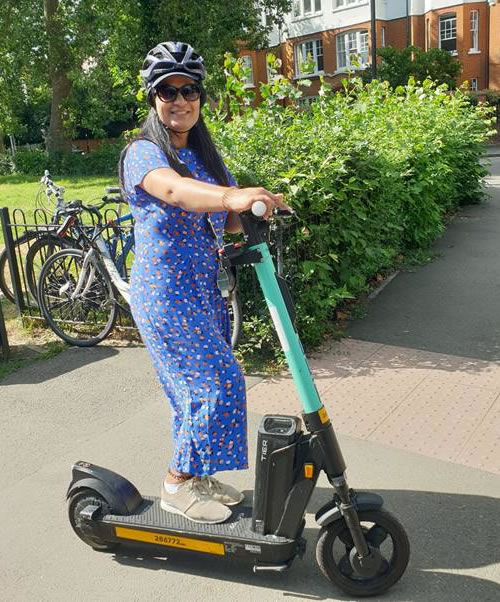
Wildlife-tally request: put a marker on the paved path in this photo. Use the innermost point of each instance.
(417, 422)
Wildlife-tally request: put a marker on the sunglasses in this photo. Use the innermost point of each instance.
(169, 93)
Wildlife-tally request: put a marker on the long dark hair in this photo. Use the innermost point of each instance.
(199, 140)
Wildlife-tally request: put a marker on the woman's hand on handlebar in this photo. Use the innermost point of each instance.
(242, 199)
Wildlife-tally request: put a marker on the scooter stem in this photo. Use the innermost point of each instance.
(290, 342)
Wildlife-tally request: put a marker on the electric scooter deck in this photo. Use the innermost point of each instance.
(142, 520)
(153, 525)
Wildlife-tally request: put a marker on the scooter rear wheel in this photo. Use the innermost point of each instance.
(78, 502)
(386, 538)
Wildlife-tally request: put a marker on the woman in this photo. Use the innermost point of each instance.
(182, 198)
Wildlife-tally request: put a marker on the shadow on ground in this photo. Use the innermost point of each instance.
(450, 535)
(71, 359)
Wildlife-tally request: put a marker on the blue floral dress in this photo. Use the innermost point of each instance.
(184, 321)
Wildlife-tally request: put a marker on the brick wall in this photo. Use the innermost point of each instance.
(476, 65)
(494, 62)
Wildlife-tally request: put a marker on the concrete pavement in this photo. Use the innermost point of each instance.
(416, 423)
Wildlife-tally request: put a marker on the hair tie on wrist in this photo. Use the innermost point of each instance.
(225, 196)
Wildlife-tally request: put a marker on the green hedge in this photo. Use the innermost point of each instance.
(101, 162)
(372, 173)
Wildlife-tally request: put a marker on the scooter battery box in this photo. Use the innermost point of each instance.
(274, 471)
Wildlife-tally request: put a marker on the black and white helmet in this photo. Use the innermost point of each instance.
(171, 58)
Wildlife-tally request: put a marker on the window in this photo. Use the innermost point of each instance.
(305, 102)
(247, 62)
(448, 32)
(382, 37)
(473, 84)
(427, 34)
(474, 30)
(348, 3)
(305, 8)
(312, 49)
(349, 44)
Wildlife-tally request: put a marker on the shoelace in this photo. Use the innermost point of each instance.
(201, 488)
(212, 484)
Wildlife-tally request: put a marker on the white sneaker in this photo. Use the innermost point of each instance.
(191, 501)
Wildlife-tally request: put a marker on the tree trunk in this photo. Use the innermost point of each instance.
(59, 63)
(2, 145)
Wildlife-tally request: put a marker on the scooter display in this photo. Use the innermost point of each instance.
(361, 548)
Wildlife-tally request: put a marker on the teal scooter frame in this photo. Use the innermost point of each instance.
(361, 548)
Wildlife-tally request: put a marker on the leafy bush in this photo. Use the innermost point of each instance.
(436, 64)
(371, 171)
(103, 161)
(30, 162)
(6, 164)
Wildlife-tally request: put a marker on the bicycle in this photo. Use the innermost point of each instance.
(43, 240)
(71, 234)
(79, 288)
(45, 230)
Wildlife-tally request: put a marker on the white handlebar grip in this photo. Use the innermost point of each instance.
(259, 208)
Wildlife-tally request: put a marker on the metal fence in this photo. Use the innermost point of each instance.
(4, 341)
(22, 233)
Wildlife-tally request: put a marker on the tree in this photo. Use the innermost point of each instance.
(437, 64)
(85, 55)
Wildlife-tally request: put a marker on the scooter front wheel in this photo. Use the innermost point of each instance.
(78, 502)
(390, 552)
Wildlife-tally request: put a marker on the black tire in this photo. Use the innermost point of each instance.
(385, 535)
(84, 321)
(76, 503)
(38, 254)
(236, 317)
(5, 282)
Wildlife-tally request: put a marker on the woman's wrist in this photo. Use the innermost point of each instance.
(225, 197)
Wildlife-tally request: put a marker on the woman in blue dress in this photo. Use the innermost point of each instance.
(183, 198)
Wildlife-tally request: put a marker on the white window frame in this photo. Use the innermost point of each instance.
(357, 39)
(473, 84)
(346, 4)
(300, 53)
(314, 9)
(248, 62)
(474, 31)
(451, 19)
(382, 37)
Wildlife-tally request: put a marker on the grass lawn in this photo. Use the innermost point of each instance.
(20, 192)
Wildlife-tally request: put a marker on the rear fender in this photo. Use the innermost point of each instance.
(120, 494)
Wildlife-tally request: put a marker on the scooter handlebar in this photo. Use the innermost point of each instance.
(259, 208)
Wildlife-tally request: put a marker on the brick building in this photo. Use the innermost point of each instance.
(331, 31)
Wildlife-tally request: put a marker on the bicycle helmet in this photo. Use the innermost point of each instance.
(171, 58)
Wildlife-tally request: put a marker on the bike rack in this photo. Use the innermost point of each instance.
(11, 259)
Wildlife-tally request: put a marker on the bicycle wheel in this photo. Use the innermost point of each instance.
(38, 254)
(87, 318)
(5, 280)
(236, 317)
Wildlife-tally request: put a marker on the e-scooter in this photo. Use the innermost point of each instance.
(362, 548)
